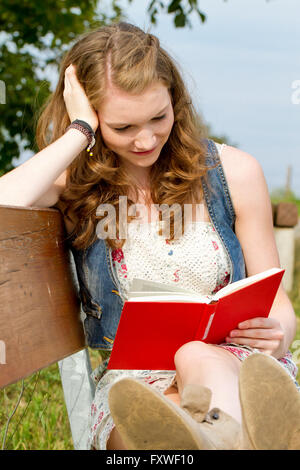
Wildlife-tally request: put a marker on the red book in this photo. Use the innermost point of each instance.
(158, 319)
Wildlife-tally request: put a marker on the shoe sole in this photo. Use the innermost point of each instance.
(147, 420)
(270, 404)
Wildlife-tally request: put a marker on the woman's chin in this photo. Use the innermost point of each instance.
(144, 161)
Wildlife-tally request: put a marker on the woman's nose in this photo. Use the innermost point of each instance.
(145, 140)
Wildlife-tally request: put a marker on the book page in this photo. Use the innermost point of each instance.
(144, 290)
(143, 286)
(170, 298)
(233, 287)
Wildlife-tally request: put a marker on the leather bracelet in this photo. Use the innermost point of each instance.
(84, 124)
(86, 129)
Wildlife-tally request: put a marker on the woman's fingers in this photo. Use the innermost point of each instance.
(266, 346)
(76, 100)
(259, 322)
(262, 333)
(72, 78)
(67, 84)
(72, 84)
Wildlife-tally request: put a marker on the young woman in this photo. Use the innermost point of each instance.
(137, 135)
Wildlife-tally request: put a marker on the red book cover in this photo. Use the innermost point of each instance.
(150, 332)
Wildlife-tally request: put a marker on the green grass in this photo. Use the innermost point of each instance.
(295, 296)
(45, 424)
(42, 413)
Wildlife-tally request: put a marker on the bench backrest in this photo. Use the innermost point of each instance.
(39, 307)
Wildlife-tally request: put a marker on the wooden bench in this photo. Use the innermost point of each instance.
(40, 321)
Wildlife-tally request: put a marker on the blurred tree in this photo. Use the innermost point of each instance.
(33, 38)
(179, 9)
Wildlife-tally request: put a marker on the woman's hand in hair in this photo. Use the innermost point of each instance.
(77, 103)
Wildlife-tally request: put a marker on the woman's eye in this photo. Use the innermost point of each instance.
(159, 117)
(120, 129)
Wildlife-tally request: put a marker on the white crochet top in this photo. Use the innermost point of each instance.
(196, 261)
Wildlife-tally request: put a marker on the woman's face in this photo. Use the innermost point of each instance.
(136, 127)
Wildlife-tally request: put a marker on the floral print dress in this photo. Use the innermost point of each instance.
(198, 262)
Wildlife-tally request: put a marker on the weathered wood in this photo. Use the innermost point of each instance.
(39, 308)
(286, 214)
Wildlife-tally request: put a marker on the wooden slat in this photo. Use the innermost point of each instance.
(39, 308)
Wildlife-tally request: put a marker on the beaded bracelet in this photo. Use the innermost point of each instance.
(86, 129)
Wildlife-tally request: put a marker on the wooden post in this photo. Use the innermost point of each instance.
(285, 241)
(288, 181)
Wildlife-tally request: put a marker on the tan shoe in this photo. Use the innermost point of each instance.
(223, 431)
(148, 420)
(270, 405)
(195, 400)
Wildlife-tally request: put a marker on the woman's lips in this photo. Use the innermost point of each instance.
(145, 153)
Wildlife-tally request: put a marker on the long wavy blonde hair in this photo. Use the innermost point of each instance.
(137, 60)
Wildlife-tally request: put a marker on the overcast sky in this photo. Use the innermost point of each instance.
(240, 66)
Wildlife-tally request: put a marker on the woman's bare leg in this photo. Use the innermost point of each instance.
(115, 441)
(213, 367)
(207, 365)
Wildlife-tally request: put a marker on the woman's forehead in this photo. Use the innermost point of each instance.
(119, 105)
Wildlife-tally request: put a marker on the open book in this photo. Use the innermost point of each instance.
(157, 319)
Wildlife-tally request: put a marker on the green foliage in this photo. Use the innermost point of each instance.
(33, 39)
(180, 10)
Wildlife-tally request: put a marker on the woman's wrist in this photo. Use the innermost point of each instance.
(86, 130)
(283, 345)
(78, 137)
(282, 350)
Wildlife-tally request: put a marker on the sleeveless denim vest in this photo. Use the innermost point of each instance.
(100, 292)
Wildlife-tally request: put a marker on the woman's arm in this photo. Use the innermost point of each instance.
(28, 183)
(254, 229)
(40, 179)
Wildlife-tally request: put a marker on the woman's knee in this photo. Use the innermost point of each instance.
(195, 352)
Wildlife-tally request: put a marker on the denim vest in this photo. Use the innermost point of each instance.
(100, 292)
